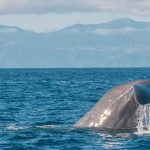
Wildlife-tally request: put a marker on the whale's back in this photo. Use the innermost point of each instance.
(117, 109)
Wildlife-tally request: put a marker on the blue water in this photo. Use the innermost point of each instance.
(38, 108)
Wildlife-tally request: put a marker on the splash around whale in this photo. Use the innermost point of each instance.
(124, 107)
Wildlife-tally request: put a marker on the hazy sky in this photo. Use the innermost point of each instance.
(44, 15)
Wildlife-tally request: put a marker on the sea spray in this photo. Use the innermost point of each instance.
(143, 125)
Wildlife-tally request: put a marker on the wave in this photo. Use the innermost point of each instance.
(47, 126)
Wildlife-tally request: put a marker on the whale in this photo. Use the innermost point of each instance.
(119, 108)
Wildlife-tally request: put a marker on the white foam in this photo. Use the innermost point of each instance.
(14, 128)
(48, 126)
(143, 125)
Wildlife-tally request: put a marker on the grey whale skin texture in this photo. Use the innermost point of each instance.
(118, 108)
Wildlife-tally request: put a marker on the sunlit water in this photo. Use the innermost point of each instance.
(38, 108)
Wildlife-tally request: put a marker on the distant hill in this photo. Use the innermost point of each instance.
(119, 43)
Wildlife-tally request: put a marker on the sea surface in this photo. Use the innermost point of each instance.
(38, 108)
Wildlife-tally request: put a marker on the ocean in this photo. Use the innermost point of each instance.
(38, 108)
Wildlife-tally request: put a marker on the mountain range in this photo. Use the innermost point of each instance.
(119, 43)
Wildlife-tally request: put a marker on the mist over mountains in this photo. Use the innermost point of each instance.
(119, 43)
